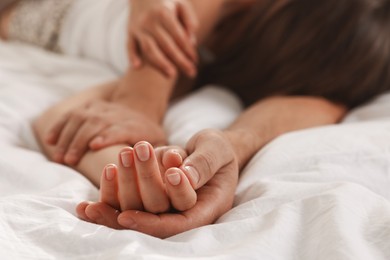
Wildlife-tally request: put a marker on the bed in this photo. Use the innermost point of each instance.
(321, 193)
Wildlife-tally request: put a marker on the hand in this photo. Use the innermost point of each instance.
(97, 125)
(212, 156)
(145, 179)
(163, 32)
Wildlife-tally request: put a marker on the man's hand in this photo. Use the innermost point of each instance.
(212, 169)
(99, 124)
(163, 32)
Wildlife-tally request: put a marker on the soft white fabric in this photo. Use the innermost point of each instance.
(315, 194)
(97, 30)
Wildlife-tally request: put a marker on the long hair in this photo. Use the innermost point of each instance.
(336, 49)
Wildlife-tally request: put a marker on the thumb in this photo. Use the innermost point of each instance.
(209, 152)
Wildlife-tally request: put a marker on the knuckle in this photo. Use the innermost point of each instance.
(164, 13)
(156, 208)
(144, 20)
(95, 119)
(185, 204)
(206, 159)
(208, 134)
(78, 115)
(147, 46)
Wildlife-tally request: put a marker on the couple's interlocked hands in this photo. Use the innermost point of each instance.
(163, 192)
(159, 191)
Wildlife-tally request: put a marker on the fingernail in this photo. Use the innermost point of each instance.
(178, 156)
(128, 223)
(193, 173)
(110, 172)
(143, 152)
(127, 159)
(174, 178)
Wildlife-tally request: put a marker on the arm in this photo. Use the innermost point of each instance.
(166, 32)
(211, 150)
(129, 111)
(272, 117)
(216, 157)
(145, 90)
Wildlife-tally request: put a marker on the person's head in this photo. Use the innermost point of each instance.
(338, 49)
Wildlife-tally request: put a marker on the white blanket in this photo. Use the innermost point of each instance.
(315, 194)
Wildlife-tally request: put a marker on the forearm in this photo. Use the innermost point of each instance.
(274, 116)
(145, 90)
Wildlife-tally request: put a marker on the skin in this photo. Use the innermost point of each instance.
(166, 33)
(218, 173)
(211, 173)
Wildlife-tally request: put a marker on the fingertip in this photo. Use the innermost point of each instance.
(172, 158)
(51, 139)
(136, 63)
(97, 142)
(173, 176)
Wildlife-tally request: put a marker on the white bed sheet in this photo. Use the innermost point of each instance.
(315, 194)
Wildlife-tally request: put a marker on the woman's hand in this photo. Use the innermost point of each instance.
(99, 124)
(163, 32)
(212, 169)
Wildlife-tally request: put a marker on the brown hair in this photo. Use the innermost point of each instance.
(337, 49)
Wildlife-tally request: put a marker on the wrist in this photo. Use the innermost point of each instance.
(152, 109)
(245, 144)
(146, 91)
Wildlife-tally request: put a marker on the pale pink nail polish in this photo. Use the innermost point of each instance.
(174, 178)
(127, 159)
(143, 152)
(110, 172)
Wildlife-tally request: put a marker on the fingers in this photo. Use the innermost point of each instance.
(111, 136)
(80, 143)
(180, 191)
(55, 132)
(102, 214)
(169, 157)
(175, 52)
(167, 224)
(109, 186)
(133, 52)
(188, 16)
(67, 134)
(161, 226)
(156, 56)
(129, 196)
(80, 211)
(209, 151)
(150, 183)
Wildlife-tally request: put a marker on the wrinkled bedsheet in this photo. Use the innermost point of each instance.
(321, 193)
